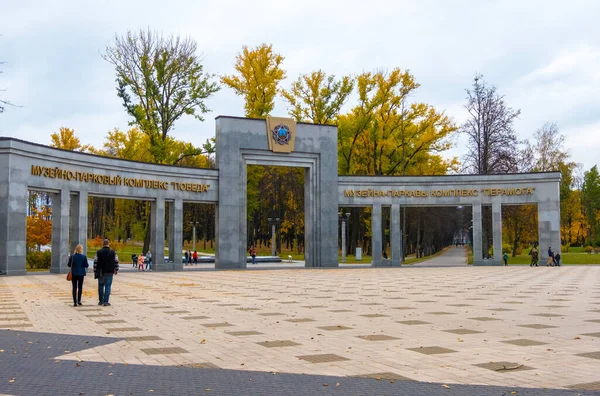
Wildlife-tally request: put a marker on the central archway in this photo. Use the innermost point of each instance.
(242, 142)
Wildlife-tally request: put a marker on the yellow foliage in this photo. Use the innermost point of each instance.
(317, 97)
(259, 73)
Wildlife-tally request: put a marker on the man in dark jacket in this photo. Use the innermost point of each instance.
(106, 264)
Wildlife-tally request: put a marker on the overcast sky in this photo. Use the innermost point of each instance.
(544, 56)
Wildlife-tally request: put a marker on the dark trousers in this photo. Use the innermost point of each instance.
(104, 287)
(77, 282)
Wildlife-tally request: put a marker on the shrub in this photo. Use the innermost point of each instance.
(588, 249)
(37, 259)
(564, 248)
(506, 248)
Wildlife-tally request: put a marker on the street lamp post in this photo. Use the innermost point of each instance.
(344, 218)
(273, 222)
(194, 224)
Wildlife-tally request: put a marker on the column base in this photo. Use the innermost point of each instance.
(487, 263)
(387, 263)
(54, 270)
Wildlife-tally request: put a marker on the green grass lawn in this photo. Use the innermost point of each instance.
(566, 259)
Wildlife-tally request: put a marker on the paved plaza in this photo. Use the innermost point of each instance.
(455, 330)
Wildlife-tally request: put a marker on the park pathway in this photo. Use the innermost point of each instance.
(452, 257)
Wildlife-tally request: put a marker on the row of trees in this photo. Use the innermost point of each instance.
(381, 131)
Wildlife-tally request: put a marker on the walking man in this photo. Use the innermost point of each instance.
(149, 265)
(505, 257)
(106, 264)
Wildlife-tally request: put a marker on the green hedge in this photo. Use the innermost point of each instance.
(39, 260)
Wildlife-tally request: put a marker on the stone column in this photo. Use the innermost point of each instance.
(157, 235)
(176, 233)
(548, 228)
(497, 232)
(60, 232)
(79, 221)
(477, 248)
(396, 236)
(13, 218)
(376, 237)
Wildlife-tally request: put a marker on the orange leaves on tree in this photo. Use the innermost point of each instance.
(39, 226)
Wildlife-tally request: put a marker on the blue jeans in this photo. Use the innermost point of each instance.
(104, 285)
(149, 266)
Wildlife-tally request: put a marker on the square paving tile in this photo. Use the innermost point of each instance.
(176, 312)
(377, 337)
(441, 313)
(374, 316)
(248, 309)
(547, 315)
(323, 358)
(591, 355)
(271, 314)
(537, 326)
(433, 350)
(484, 318)
(462, 331)
(202, 365)
(144, 338)
(14, 326)
(163, 351)
(334, 328)
(597, 335)
(278, 343)
(116, 329)
(460, 305)
(501, 309)
(413, 322)
(385, 376)
(300, 320)
(586, 386)
(340, 310)
(243, 333)
(403, 308)
(503, 367)
(110, 321)
(525, 342)
(195, 317)
(224, 324)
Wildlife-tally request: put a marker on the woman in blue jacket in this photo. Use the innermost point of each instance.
(78, 264)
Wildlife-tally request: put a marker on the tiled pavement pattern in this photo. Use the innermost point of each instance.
(29, 367)
(401, 324)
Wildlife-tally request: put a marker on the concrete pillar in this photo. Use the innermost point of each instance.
(60, 232)
(396, 236)
(376, 237)
(13, 218)
(157, 235)
(477, 248)
(548, 228)
(497, 232)
(79, 221)
(176, 233)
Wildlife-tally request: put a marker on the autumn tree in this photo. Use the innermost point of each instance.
(160, 80)
(39, 227)
(590, 200)
(492, 141)
(258, 74)
(66, 139)
(3, 102)
(318, 98)
(386, 134)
